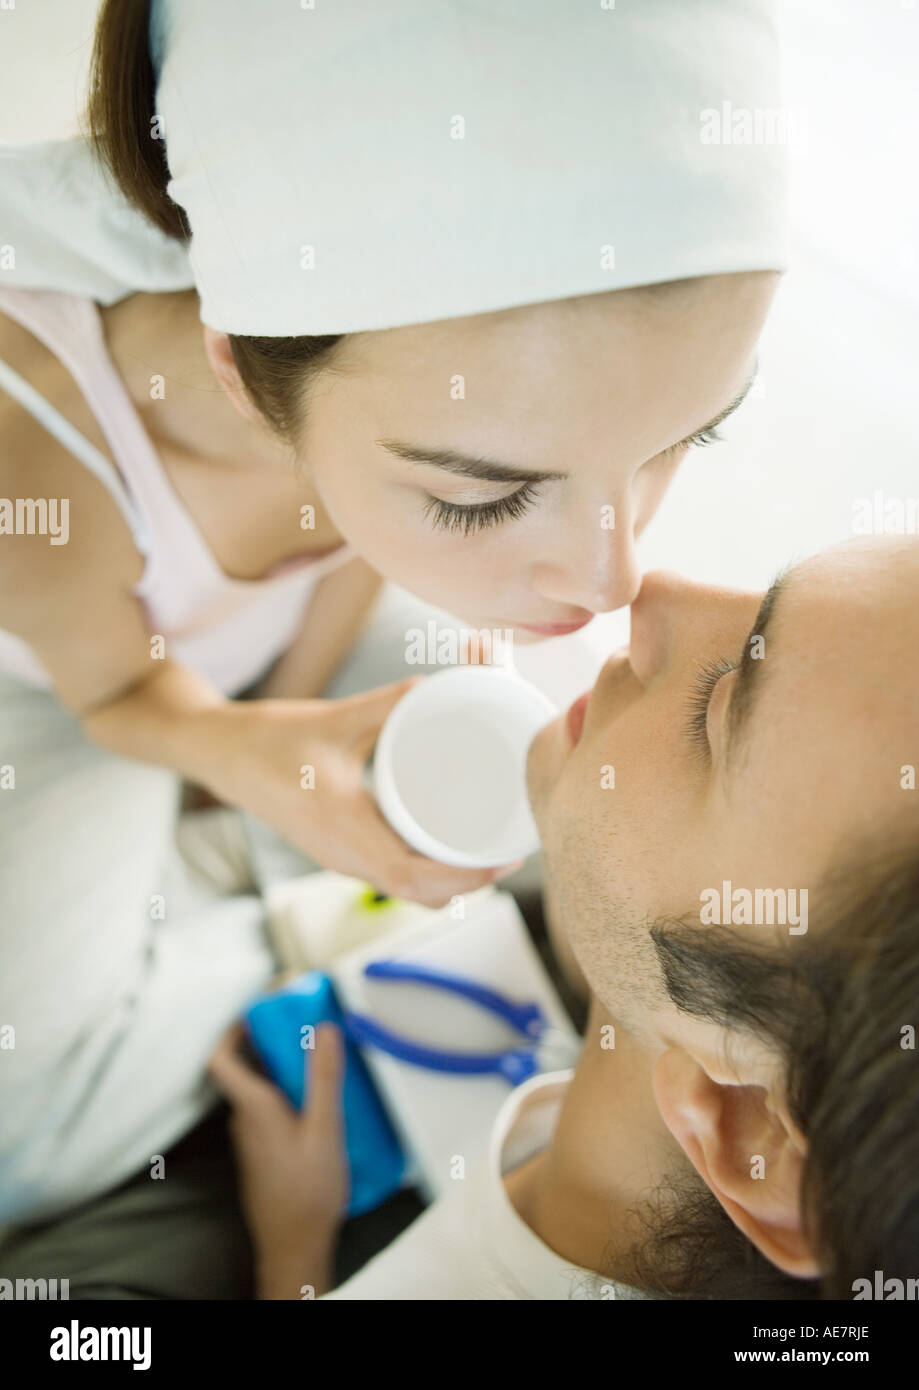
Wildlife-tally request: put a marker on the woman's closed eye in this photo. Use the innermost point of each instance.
(464, 520)
(698, 440)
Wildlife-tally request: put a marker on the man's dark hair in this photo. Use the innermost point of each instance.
(841, 1007)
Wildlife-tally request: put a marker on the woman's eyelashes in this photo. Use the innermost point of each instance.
(703, 688)
(465, 520)
(698, 440)
(450, 516)
(705, 437)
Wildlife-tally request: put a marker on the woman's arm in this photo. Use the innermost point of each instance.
(74, 605)
(72, 602)
(331, 625)
(297, 764)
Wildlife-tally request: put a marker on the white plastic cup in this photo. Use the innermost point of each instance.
(450, 766)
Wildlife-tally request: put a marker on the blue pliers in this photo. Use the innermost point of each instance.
(514, 1065)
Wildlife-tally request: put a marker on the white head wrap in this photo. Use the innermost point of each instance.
(356, 165)
(64, 225)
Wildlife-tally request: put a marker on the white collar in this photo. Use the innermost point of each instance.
(525, 1125)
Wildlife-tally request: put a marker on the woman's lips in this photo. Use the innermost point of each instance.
(554, 629)
(574, 720)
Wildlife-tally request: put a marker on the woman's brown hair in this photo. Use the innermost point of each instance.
(121, 123)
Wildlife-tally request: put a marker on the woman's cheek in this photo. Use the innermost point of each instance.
(651, 486)
(406, 547)
(370, 518)
(387, 525)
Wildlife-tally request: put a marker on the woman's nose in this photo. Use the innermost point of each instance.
(598, 573)
(676, 621)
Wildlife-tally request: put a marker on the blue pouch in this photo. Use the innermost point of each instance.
(276, 1024)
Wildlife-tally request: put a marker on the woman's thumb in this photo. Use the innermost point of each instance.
(325, 1078)
(363, 716)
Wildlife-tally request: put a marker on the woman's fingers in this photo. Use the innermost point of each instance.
(363, 716)
(394, 869)
(323, 1076)
(324, 1068)
(233, 1077)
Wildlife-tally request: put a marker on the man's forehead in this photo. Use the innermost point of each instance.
(846, 608)
(837, 715)
(858, 607)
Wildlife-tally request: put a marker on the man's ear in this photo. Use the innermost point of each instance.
(223, 365)
(745, 1150)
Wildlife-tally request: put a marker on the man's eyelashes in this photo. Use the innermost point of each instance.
(703, 688)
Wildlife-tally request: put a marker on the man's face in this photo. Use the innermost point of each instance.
(675, 784)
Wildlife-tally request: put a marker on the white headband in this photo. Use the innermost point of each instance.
(357, 165)
(360, 165)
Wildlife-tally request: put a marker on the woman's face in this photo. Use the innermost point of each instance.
(501, 466)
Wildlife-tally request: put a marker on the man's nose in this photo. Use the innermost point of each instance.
(676, 621)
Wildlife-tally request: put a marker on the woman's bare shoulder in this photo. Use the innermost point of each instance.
(43, 486)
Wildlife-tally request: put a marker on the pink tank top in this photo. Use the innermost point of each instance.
(230, 630)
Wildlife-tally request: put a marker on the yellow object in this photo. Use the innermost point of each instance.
(373, 901)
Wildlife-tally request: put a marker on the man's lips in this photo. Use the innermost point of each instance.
(614, 669)
(574, 720)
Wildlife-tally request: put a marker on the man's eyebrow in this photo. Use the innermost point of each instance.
(489, 470)
(749, 675)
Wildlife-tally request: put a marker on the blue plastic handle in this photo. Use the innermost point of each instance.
(515, 1065)
(527, 1018)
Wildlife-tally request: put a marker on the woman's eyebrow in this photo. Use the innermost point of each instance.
(749, 677)
(482, 468)
(490, 471)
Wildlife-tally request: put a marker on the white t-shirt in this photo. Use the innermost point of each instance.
(471, 1244)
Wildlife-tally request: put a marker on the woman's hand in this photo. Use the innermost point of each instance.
(298, 765)
(293, 1169)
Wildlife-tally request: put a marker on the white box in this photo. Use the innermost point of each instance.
(441, 1117)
